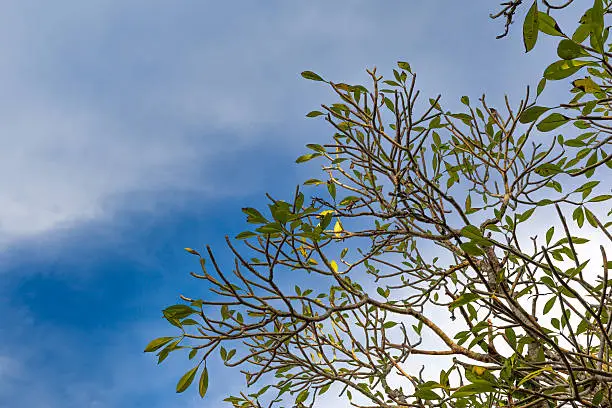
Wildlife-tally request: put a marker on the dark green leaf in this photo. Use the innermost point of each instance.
(331, 188)
(475, 235)
(306, 157)
(530, 27)
(541, 86)
(532, 113)
(548, 169)
(549, 305)
(471, 249)
(203, 383)
(245, 235)
(179, 311)
(471, 232)
(552, 122)
(511, 336)
(316, 147)
(472, 389)
(254, 216)
(567, 50)
(598, 397)
(311, 75)
(270, 228)
(186, 380)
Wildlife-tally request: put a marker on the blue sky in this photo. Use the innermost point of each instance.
(133, 129)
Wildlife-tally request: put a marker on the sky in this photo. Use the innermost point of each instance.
(132, 129)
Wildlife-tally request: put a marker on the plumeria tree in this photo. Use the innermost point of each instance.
(423, 216)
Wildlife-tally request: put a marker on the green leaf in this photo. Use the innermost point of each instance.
(534, 374)
(382, 292)
(581, 33)
(590, 217)
(597, 25)
(586, 85)
(552, 122)
(157, 343)
(598, 397)
(541, 86)
(532, 113)
(548, 169)
(312, 76)
(471, 249)
(331, 188)
(302, 396)
(567, 50)
(203, 386)
(600, 198)
(511, 335)
(316, 147)
(426, 394)
(186, 380)
(404, 65)
(473, 389)
(245, 235)
(549, 234)
(306, 157)
(588, 186)
(548, 25)
(563, 69)
(549, 305)
(349, 200)
(314, 114)
(270, 228)
(530, 27)
(179, 311)
(254, 216)
(389, 325)
(324, 389)
(474, 234)
(314, 182)
(525, 216)
(471, 232)
(463, 300)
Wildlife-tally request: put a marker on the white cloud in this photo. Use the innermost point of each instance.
(106, 98)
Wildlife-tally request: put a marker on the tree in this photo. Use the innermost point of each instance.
(423, 215)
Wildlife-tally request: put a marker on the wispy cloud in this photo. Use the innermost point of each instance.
(110, 97)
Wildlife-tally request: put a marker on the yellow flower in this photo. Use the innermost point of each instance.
(338, 229)
(478, 370)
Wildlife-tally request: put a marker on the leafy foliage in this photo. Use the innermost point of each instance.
(426, 214)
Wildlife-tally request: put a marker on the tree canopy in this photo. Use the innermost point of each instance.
(419, 240)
